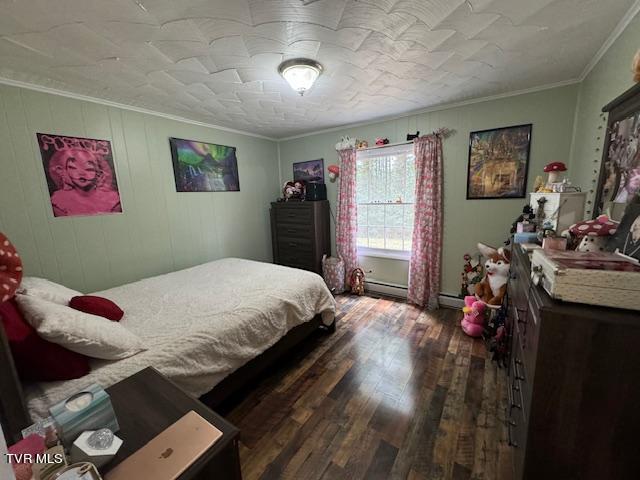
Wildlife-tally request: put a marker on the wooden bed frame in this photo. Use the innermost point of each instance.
(14, 415)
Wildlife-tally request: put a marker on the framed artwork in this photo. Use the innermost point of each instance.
(619, 180)
(498, 162)
(204, 167)
(627, 237)
(80, 175)
(310, 172)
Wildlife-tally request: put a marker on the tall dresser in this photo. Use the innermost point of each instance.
(574, 385)
(300, 234)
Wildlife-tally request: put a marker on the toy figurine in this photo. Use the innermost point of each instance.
(356, 279)
(474, 316)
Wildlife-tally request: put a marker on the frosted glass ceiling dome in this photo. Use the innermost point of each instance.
(300, 73)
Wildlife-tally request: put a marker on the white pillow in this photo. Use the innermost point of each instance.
(77, 331)
(47, 290)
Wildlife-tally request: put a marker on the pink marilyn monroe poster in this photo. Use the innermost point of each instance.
(80, 175)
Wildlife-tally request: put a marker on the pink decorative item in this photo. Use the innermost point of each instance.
(10, 269)
(333, 274)
(347, 211)
(426, 254)
(554, 243)
(32, 445)
(474, 315)
(382, 141)
(334, 172)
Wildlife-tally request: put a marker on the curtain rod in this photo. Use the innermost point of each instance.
(382, 146)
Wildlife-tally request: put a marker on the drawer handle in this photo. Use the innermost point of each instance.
(516, 372)
(291, 231)
(293, 244)
(511, 441)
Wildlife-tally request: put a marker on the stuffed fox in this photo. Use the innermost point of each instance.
(493, 286)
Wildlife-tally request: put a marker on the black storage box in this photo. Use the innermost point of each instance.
(315, 191)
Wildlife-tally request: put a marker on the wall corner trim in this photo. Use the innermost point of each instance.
(620, 28)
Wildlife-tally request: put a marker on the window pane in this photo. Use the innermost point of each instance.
(363, 240)
(408, 216)
(362, 215)
(393, 215)
(410, 187)
(394, 238)
(408, 232)
(376, 215)
(376, 237)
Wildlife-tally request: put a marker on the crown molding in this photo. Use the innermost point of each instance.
(620, 28)
(437, 108)
(123, 106)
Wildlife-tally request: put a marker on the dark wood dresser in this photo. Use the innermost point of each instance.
(574, 378)
(300, 234)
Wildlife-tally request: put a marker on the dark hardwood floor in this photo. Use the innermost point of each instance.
(395, 393)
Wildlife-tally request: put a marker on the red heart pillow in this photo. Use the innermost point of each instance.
(100, 306)
(10, 269)
(35, 358)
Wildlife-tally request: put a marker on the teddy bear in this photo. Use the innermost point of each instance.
(474, 313)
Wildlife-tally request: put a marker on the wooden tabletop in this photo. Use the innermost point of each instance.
(146, 403)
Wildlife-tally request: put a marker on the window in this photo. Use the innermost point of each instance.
(385, 188)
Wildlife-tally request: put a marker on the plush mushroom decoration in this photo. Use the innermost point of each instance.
(334, 171)
(10, 269)
(595, 233)
(554, 169)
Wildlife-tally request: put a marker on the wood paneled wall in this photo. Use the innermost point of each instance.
(160, 230)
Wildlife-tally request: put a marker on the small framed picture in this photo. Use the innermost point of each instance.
(498, 162)
(309, 172)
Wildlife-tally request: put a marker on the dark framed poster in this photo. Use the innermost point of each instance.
(80, 175)
(498, 162)
(204, 167)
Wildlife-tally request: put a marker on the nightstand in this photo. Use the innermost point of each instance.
(147, 403)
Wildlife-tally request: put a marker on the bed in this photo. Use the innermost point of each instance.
(203, 326)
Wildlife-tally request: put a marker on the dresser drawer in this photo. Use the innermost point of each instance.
(517, 438)
(294, 246)
(292, 230)
(297, 260)
(299, 214)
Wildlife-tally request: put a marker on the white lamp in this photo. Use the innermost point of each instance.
(301, 73)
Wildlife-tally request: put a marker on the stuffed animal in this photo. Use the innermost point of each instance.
(362, 144)
(471, 274)
(474, 314)
(493, 286)
(636, 67)
(356, 279)
(411, 136)
(293, 190)
(526, 216)
(346, 142)
(382, 141)
(594, 234)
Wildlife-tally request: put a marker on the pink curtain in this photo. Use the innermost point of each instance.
(347, 218)
(426, 252)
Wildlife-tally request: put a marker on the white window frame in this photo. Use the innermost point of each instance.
(404, 255)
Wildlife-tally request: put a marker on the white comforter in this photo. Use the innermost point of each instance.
(201, 324)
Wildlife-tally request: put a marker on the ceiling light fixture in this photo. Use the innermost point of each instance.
(301, 73)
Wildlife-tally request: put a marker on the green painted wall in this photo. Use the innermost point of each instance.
(608, 79)
(160, 230)
(466, 222)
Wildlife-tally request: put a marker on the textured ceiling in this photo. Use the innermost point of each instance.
(215, 61)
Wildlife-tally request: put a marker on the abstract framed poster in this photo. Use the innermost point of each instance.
(80, 175)
(499, 162)
(619, 181)
(204, 167)
(310, 172)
